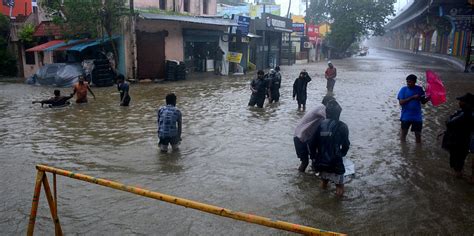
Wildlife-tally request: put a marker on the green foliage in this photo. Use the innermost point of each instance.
(351, 19)
(86, 17)
(4, 26)
(26, 33)
(7, 60)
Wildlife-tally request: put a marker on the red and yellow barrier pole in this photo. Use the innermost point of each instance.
(41, 178)
(34, 204)
(189, 204)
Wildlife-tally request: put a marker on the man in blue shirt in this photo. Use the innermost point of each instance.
(169, 124)
(410, 98)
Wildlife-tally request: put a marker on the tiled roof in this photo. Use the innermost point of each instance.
(47, 28)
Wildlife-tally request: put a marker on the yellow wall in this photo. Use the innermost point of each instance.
(324, 28)
(297, 19)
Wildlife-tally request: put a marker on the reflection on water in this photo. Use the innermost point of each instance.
(236, 157)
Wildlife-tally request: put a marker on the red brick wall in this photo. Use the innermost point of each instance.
(22, 7)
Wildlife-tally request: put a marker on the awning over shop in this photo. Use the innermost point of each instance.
(81, 46)
(44, 46)
(71, 45)
(63, 44)
(68, 46)
(190, 19)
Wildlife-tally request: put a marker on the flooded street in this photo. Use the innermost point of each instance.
(235, 157)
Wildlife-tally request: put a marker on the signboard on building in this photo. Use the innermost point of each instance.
(244, 24)
(9, 3)
(234, 57)
(298, 29)
(274, 23)
(257, 10)
(313, 33)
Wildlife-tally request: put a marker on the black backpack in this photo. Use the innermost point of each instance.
(328, 151)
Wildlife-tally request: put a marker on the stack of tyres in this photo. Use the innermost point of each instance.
(181, 71)
(102, 75)
(171, 67)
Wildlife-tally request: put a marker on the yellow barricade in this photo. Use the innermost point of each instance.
(41, 178)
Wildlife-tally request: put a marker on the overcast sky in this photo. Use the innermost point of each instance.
(298, 6)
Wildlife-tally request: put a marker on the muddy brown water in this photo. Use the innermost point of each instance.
(235, 157)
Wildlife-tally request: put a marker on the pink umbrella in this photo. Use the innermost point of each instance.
(435, 88)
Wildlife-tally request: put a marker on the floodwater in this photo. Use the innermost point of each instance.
(235, 157)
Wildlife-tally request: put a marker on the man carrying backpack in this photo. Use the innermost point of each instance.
(328, 146)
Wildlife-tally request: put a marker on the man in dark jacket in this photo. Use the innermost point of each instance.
(459, 128)
(259, 88)
(299, 89)
(328, 146)
(274, 79)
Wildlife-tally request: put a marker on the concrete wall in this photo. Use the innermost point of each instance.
(31, 69)
(195, 6)
(22, 7)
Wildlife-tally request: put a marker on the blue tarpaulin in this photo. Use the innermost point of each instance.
(84, 45)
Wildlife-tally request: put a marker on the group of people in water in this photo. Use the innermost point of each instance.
(319, 136)
(268, 86)
(80, 89)
(458, 139)
(168, 117)
(323, 138)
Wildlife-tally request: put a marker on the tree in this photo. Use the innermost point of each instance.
(26, 33)
(7, 60)
(87, 18)
(351, 19)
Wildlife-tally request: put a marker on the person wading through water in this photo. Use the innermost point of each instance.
(80, 89)
(328, 146)
(330, 75)
(260, 88)
(460, 127)
(410, 98)
(56, 101)
(299, 89)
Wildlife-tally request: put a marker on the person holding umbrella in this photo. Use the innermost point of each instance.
(410, 98)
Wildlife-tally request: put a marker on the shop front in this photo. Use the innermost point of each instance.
(273, 30)
(201, 49)
(239, 44)
(192, 41)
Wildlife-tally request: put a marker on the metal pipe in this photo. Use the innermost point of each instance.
(192, 204)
